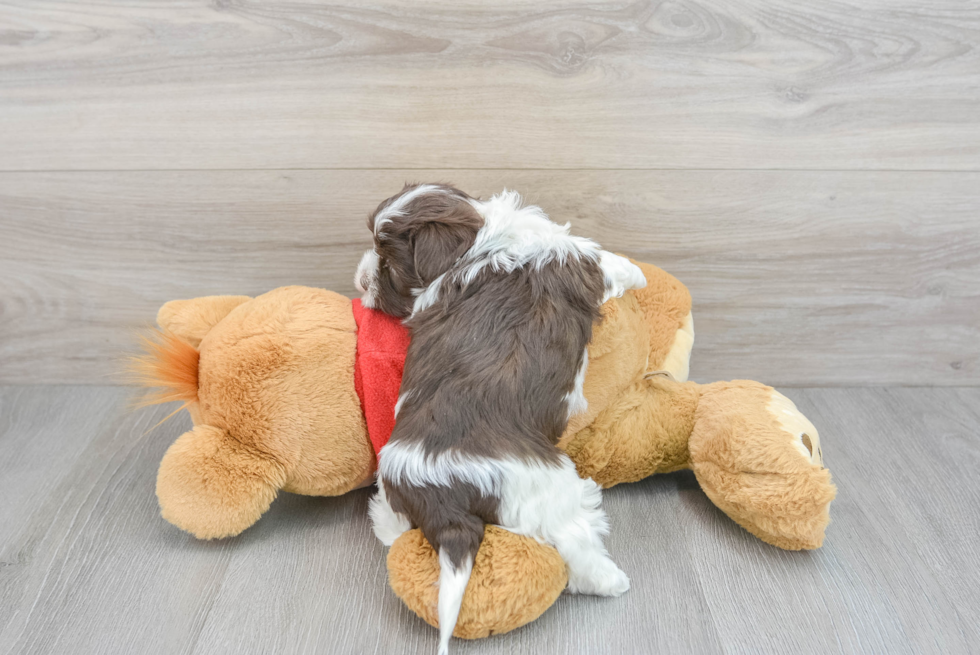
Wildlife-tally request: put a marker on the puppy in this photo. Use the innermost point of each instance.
(500, 302)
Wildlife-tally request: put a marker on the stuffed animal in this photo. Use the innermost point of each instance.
(295, 391)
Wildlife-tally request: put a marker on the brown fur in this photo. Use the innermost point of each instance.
(748, 466)
(191, 320)
(664, 302)
(490, 362)
(415, 248)
(646, 432)
(617, 358)
(486, 374)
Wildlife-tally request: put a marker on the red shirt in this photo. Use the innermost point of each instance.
(382, 343)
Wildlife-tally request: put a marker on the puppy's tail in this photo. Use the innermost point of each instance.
(456, 555)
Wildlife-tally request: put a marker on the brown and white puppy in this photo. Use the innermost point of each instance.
(500, 302)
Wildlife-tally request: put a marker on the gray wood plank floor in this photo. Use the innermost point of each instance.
(88, 566)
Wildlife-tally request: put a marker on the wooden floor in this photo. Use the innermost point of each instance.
(88, 566)
(811, 170)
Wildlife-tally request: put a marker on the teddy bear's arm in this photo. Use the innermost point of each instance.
(666, 306)
(646, 330)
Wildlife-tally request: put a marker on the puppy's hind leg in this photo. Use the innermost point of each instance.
(579, 541)
(387, 523)
(554, 504)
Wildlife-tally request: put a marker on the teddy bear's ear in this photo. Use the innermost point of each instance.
(191, 319)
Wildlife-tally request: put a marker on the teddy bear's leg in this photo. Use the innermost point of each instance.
(759, 459)
(210, 485)
(644, 431)
(515, 580)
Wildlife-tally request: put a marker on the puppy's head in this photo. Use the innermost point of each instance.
(418, 234)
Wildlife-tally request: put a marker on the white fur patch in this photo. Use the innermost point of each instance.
(554, 505)
(401, 399)
(512, 236)
(576, 400)
(387, 523)
(452, 586)
(516, 235)
(620, 274)
(397, 208)
(427, 297)
(407, 464)
(364, 278)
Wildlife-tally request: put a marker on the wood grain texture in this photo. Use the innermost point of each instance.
(88, 566)
(799, 278)
(672, 84)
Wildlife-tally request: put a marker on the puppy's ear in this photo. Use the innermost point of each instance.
(439, 244)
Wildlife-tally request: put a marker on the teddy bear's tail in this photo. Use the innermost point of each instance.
(169, 365)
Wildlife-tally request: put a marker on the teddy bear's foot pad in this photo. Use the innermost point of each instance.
(515, 579)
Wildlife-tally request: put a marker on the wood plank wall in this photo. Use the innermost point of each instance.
(810, 170)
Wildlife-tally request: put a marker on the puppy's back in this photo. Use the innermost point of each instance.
(493, 362)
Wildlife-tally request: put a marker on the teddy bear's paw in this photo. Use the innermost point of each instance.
(604, 579)
(804, 435)
(759, 460)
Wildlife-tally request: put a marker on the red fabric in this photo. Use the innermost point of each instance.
(382, 342)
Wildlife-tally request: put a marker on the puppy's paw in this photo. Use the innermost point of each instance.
(620, 275)
(606, 580)
(615, 584)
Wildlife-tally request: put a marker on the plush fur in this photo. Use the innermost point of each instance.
(257, 431)
(498, 605)
(277, 410)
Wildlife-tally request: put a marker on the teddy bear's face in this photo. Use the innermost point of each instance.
(418, 234)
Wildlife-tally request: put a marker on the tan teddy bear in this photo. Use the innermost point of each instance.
(270, 385)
